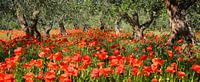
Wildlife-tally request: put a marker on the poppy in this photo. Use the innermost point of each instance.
(154, 80)
(40, 75)
(57, 56)
(143, 57)
(18, 51)
(49, 76)
(119, 69)
(134, 71)
(180, 74)
(64, 78)
(95, 72)
(116, 52)
(28, 77)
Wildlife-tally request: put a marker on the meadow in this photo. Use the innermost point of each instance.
(96, 56)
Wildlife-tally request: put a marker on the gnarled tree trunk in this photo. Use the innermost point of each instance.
(23, 23)
(177, 17)
(117, 25)
(47, 30)
(85, 27)
(62, 29)
(34, 29)
(138, 28)
(30, 30)
(76, 26)
(102, 27)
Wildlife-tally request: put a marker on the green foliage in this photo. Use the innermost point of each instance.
(90, 12)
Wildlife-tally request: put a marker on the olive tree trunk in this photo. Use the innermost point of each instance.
(30, 30)
(62, 29)
(177, 17)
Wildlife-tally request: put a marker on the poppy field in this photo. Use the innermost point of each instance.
(97, 56)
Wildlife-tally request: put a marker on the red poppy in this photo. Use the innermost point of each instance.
(72, 71)
(38, 63)
(119, 69)
(64, 78)
(92, 43)
(9, 78)
(105, 71)
(2, 66)
(49, 76)
(170, 54)
(146, 70)
(143, 57)
(10, 62)
(196, 68)
(134, 71)
(180, 59)
(180, 41)
(41, 54)
(180, 74)
(2, 75)
(94, 72)
(151, 54)
(57, 56)
(52, 66)
(50, 56)
(116, 52)
(40, 75)
(99, 64)
(154, 80)
(149, 48)
(18, 51)
(135, 49)
(46, 50)
(65, 50)
(157, 61)
(67, 59)
(170, 69)
(137, 63)
(102, 55)
(114, 45)
(28, 77)
(26, 66)
(76, 57)
(86, 59)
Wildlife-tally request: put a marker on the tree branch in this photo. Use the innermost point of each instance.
(21, 19)
(148, 22)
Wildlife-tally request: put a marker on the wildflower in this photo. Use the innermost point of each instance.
(28, 77)
(52, 66)
(137, 63)
(57, 56)
(38, 63)
(116, 52)
(134, 71)
(154, 80)
(40, 75)
(64, 78)
(18, 51)
(94, 72)
(149, 48)
(143, 57)
(49, 76)
(196, 68)
(99, 64)
(41, 54)
(180, 74)
(119, 69)
(157, 61)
